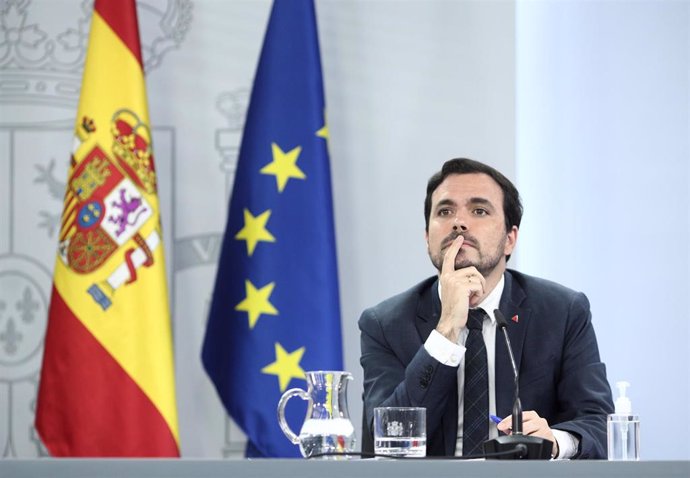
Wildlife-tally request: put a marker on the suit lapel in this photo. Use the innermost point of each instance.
(518, 318)
(428, 315)
(428, 311)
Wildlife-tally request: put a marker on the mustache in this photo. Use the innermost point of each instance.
(453, 235)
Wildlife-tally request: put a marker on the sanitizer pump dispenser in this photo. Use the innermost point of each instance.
(623, 428)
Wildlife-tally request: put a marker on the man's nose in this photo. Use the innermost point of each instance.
(459, 223)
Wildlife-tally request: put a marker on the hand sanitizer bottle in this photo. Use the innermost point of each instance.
(623, 429)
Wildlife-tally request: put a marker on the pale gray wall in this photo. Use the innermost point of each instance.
(603, 162)
(409, 84)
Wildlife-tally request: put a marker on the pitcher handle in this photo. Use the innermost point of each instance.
(281, 412)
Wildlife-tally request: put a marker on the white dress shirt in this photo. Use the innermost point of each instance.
(453, 355)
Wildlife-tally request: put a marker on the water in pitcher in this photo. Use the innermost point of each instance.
(327, 436)
(327, 427)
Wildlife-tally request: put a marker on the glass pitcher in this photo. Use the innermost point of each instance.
(327, 427)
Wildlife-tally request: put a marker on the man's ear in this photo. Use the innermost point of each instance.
(511, 241)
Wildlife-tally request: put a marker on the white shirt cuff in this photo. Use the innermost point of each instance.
(443, 350)
(568, 444)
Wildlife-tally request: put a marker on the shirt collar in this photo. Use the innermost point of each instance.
(491, 301)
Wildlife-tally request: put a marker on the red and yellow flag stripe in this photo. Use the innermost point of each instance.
(107, 383)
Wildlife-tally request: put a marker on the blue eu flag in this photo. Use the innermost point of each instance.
(275, 311)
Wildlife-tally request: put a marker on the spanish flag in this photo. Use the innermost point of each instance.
(107, 383)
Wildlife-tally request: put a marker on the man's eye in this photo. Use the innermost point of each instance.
(480, 212)
(444, 212)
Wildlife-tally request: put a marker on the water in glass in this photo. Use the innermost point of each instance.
(400, 446)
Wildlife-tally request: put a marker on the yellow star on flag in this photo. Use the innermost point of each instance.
(254, 230)
(256, 302)
(323, 132)
(286, 366)
(284, 166)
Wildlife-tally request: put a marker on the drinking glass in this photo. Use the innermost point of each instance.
(400, 431)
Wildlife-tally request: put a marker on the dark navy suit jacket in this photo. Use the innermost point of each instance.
(561, 375)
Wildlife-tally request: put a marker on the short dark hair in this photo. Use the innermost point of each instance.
(512, 206)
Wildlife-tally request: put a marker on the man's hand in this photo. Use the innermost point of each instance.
(532, 424)
(459, 289)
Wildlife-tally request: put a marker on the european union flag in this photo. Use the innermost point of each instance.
(275, 312)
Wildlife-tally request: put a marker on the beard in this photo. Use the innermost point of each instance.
(485, 262)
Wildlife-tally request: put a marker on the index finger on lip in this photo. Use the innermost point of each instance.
(449, 258)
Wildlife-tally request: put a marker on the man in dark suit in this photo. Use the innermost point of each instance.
(413, 344)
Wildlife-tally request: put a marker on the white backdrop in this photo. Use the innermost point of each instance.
(603, 160)
(584, 104)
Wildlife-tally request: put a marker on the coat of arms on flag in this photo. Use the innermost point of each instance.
(105, 204)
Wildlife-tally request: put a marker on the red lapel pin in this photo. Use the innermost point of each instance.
(515, 319)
